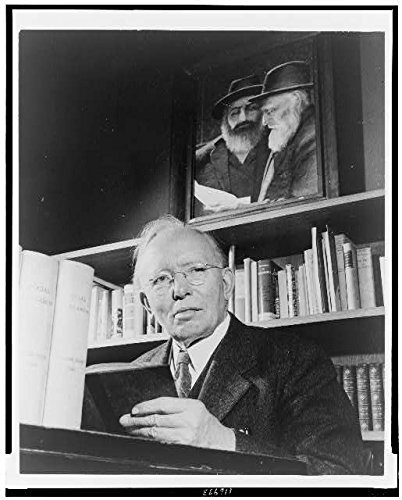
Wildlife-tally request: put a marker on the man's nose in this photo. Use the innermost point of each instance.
(242, 115)
(181, 287)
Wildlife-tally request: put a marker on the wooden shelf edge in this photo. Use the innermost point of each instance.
(262, 213)
(373, 435)
(138, 340)
(321, 318)
(109, 247)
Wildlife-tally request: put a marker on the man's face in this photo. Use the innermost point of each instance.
(242, 115)
(187, 312)
(282, 115)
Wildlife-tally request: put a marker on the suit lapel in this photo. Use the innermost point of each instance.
(220, 162)
(226, 381)
(156, 357)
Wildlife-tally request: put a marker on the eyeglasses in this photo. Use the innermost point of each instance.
(194, 274)
(234, 112)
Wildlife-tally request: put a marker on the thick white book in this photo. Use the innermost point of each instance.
(239, 294)
(351, 276)
(247, 290)
(283, 294)
(68, 352)
(254, 290)
(366, 277)
(37, 296)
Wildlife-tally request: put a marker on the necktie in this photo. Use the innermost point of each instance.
(182, 375)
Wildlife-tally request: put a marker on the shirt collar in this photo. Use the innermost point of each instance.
(201, 351)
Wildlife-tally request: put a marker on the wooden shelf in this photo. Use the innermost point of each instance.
(137, 340)
(285, 230)
(258, 232)
(321, 318)
(373, 435)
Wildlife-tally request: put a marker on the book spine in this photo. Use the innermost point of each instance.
(365, 277)
(349, 384)
(104, 316)
(363, 397)
(117, 313)
(277, 302)
(283, 294)
(351, 278)
(37, 296)
(340, 239)
(319, 272)
(247, 289)
(266, 289)
(382, 273)
(232, 267)
(68, 353)
(333, 273)
(254, 291)
(301, 291)
(239, 294)
(291, 290)
(93, 315)
(128, 312)
(326, 274)
(311, 294)
(377, 396)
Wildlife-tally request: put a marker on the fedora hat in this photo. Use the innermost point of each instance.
(247, 86)
(286, 77)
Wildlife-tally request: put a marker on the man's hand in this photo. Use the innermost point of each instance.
(180, 421)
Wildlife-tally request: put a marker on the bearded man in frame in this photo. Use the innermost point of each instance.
(234, 162)
(289, 114)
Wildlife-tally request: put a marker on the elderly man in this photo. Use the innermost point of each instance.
(240, 387)
(235, 161)
(291, 170)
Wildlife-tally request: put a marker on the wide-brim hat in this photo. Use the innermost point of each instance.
(243, 87)
(286, 77)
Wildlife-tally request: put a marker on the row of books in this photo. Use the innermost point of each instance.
(364, 386)
(53, 320)
(118, 315)
(333, 275)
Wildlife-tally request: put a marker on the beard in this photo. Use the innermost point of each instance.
(243, 137)
(284, 130)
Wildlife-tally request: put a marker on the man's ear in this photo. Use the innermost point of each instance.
(228, 282)
(145, 302)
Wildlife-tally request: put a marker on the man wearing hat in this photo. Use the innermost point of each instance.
(291, 170)
(235, 161)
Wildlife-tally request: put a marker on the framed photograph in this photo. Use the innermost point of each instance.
(265, 128)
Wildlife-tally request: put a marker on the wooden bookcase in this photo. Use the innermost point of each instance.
(360, 215)
(117, 193)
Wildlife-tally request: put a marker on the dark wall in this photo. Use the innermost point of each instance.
(97, 109)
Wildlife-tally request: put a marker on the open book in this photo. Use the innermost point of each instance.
(215, 199)
(112, 389)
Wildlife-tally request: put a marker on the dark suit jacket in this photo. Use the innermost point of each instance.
(213, 167)
(284, 391)
(296, 167)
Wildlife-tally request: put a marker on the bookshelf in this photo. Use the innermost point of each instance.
(260, 231)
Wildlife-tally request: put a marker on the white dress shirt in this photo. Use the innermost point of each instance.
(201, 351)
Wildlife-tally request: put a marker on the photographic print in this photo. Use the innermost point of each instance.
(260, 127)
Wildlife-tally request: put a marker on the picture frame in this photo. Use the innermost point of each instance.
(212, 78)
